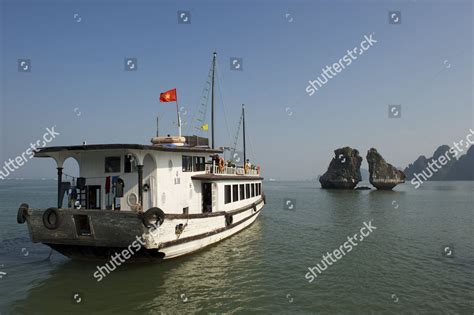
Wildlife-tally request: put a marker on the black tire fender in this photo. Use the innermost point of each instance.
(153, 216)
(48, 216)
(22, 213)
(229, 219)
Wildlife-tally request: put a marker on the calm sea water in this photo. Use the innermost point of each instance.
(399, 268)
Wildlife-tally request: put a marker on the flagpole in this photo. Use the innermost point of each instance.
(179, 117)
(157, 125)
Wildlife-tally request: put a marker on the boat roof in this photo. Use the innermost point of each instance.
(43, 152)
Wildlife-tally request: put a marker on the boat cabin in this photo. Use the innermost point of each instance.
(186, 177)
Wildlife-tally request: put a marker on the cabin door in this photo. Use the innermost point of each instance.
(93, 197)
(149, 183)
(206, 197)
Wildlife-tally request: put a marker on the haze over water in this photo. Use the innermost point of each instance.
(398, 268)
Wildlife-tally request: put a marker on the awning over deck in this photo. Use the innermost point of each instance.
(43, 152)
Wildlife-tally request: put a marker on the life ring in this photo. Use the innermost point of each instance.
(51, 218)
(246, 168)
(22, 213)
(153, 217)
(221, 164)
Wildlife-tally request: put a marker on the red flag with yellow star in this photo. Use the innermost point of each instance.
(168, 96)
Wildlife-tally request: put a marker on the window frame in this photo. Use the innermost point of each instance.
(106, 171)
(227, 194)
(186, 163)
(235, 193)
(199, 163)
(133, 164)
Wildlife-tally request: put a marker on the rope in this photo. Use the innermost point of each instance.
(222, 100)
(204, 104)
(251, 147)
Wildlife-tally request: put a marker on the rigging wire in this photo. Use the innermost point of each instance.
(251, 147)
(222, 100)
(203, 105)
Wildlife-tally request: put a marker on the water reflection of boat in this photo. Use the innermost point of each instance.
(206, 281)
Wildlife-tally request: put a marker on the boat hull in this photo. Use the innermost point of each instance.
(110, 232)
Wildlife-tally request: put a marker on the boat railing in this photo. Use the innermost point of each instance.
(230, 170)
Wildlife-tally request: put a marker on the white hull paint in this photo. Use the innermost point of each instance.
(196, 245)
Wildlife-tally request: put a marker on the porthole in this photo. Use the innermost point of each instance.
(132, 199)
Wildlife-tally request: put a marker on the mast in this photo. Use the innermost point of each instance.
(243, 121)
(212, 99)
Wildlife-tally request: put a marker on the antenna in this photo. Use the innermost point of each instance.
(157, 125)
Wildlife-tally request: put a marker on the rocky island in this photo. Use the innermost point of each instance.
(383, 176)
(343, 171)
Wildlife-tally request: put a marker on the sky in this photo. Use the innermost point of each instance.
(78, 83)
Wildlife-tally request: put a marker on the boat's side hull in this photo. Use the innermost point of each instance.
(191, 244)
(113, 231)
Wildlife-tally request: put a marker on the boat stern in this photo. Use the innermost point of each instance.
(68, 230)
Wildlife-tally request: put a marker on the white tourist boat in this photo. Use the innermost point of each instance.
(179, 184)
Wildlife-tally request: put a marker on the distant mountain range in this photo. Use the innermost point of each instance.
(461, 168)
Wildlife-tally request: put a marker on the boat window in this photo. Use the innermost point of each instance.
(130, 164)
(199, 163)
(242, 191)
(187, 163)
(247, 188)
(259, 189)
(186, 210)
(253, 190)
(235, 193)
(227, 194)
(112, 164)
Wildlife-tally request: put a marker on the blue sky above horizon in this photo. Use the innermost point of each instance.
(425, 64)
